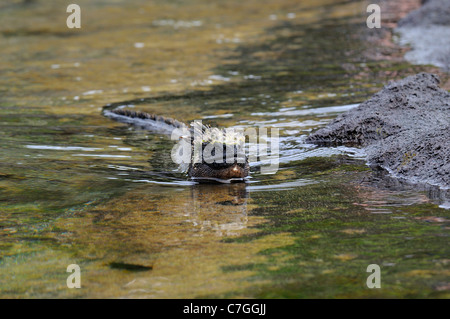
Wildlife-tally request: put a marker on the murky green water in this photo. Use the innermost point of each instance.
(77, 188)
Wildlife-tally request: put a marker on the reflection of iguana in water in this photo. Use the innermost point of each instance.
(216, 168)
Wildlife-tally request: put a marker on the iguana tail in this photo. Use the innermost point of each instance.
(146, 121)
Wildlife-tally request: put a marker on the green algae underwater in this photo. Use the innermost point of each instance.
(78, 188)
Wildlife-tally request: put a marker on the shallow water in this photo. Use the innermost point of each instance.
(78, 188)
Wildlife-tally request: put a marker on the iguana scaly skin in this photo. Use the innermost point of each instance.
(221, 170)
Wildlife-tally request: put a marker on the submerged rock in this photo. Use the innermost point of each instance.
(404, 128)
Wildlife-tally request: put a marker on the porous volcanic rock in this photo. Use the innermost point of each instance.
(404, 128)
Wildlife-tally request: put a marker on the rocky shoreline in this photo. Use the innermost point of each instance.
(405, 128)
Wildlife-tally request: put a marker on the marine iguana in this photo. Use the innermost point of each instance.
(217, 163)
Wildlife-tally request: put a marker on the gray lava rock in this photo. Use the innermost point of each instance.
(427, 31)
(432, 12)
(404, 128)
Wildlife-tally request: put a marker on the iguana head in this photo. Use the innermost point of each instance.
(217, 154)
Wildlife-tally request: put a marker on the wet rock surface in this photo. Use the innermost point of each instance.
(404, 129)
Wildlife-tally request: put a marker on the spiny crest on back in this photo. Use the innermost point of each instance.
(213, 135)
